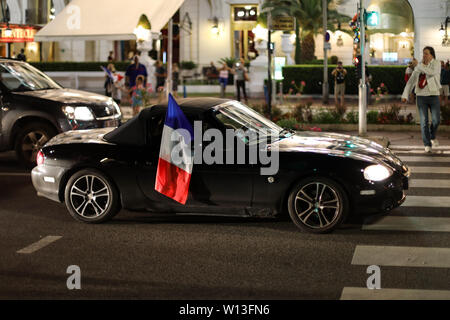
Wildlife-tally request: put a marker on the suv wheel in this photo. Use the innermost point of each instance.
(30, 139)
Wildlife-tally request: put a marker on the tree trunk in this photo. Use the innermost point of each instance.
(298, 48)
(308, 48)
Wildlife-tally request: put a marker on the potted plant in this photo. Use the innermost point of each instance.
(187, 69)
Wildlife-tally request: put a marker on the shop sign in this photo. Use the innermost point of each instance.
(283, 23)
(17, 34)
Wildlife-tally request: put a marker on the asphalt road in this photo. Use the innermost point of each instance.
(141, 256)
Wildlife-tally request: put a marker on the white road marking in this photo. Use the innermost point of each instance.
(429, 183)
(39, 245)
(430, 169)
(351, 293)
(427, 201)
(402, 256)
(430, 158)
(424, 224)
(14, 174)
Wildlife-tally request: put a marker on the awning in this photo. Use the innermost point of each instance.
(107, 19)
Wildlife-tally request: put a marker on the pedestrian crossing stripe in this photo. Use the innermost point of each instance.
(352, 293)
(429, 183)
(416, 147)
(430, 158)
(402, 256)
(395, 223)
(427, 201)
(442, 170)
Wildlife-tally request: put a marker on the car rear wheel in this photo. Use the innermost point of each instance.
(30, 139)
(91, 197)
(318, 205)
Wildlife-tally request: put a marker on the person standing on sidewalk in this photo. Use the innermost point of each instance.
(224, 72)
(426, 79)
(175, 79)
(241, 77)
(408, 73)
(445, 81)
(160, 74)
(339, 85)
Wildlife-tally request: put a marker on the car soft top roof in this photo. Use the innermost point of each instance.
(134, 131)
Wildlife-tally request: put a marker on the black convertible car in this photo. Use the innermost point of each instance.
(321, 177)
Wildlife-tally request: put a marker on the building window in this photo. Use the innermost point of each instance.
(246, 13)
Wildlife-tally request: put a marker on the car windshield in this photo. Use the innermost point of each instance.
(22, 77)
(235, 115)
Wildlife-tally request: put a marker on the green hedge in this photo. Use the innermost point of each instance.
(77, 66)
(391, 76)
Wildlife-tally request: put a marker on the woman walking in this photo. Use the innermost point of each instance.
(426, 78)
(223, 79)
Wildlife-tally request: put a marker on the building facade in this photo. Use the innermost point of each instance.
(209, 30)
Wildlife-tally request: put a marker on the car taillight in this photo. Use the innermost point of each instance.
(40, 158)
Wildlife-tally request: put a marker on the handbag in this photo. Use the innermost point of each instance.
(422, 80)
(246, 77)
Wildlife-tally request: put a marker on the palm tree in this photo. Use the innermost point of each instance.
(308, 15)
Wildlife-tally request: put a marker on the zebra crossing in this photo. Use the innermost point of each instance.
(429, 190)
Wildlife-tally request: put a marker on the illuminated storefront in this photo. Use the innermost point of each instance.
(243, 21)
(19, 37)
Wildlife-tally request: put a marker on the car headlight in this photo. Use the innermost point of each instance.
(377, 172)
(78, 113)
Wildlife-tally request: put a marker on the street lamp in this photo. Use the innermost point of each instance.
(142, 31)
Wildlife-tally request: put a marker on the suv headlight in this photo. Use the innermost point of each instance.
(78, 113)
(377, 172)
(116, 107)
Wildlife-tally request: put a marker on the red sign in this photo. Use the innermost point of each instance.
(17, 33)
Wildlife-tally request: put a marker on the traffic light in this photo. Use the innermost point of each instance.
(358, 68)
(372, 18)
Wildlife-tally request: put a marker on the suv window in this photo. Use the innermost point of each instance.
(23, 77)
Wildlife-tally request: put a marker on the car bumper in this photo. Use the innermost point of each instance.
(381, 197)
(46, 180)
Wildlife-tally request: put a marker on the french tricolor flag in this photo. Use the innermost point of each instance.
(175, 157)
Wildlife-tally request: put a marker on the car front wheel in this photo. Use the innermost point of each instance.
(91, 197)
(318, 205)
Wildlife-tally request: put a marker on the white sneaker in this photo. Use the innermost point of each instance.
(434, 143)
(427, 149)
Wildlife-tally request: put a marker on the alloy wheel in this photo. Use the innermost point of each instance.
(90, 196)
(317, 205)
(32, 143)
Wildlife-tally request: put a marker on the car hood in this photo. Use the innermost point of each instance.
(67, 96)
(80, 136)
(341, 145)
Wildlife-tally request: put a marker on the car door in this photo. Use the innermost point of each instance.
(216, 188)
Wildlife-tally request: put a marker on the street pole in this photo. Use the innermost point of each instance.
(269, 72)
(362, 84)
(325, 53)
(169, 58)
